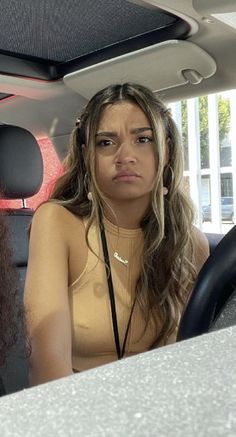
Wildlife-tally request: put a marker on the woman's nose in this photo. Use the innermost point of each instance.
(125, 154)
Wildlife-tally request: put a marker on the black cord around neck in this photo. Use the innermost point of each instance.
(120, 351)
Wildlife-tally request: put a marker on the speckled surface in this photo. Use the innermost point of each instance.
(187, 389)
(227, 315)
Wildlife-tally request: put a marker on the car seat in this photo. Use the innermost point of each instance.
(213, 240)
(21, 175)
(212, 304)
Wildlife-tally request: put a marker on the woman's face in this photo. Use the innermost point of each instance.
(125, 162)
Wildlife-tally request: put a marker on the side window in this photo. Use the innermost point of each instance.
(52, 169)
(208, 129)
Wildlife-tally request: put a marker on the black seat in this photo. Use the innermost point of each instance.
(21, 175)
(213, 240)
(212, 302)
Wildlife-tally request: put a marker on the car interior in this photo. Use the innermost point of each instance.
(54, 56)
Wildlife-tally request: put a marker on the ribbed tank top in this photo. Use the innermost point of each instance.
(92, 330)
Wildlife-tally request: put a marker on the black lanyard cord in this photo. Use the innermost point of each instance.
(120, 352)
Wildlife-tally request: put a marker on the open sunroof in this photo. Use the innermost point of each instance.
(56, 37)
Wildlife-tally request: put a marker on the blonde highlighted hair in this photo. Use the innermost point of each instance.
(168, 261)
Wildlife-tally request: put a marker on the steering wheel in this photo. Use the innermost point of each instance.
(212, 289)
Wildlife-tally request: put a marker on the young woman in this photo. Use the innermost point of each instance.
(114, 253)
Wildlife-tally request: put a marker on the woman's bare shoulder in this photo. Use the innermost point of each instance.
(53, 221)
(53, 213)
(200, 237)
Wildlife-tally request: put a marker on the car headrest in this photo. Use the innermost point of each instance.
(21, 163)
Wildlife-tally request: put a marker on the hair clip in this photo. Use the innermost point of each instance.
(167, 111)
(78, 122)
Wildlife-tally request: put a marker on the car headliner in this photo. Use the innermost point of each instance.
(43, 44)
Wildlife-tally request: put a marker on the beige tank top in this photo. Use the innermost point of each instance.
(92, 329)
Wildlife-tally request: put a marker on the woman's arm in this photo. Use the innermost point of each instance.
(46, 296)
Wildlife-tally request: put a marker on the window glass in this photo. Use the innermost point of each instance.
(184, 132)
(226, 185)
(208, 129)
(224, 130)
(204, 132)
(205, 190)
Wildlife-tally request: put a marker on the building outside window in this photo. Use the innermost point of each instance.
(208, 132)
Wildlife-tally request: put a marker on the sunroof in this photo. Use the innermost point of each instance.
(62, 30)
(52, 31)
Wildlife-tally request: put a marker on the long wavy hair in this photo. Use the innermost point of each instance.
(12, 325)
(168, 261)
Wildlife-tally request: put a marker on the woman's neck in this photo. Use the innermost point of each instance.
(127, 215)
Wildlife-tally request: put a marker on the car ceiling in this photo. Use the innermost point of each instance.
(54, 55)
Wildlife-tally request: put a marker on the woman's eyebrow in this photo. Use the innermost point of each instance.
(106, 134)
(140, 129)
(132, 131)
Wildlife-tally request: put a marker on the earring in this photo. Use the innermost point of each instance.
(86, 186)
(168, 178)
(165, 191)
(90, 196)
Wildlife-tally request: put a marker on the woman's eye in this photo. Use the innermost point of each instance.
(145, 139)
(104, 143)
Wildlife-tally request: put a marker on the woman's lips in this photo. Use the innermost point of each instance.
(126, 177)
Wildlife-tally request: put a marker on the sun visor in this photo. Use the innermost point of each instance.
(161, 66)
